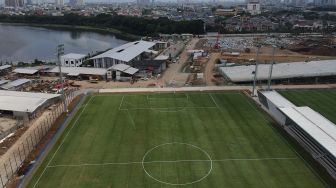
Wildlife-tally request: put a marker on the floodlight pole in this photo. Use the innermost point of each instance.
(256, 71)
(60, 52)
(271, 70)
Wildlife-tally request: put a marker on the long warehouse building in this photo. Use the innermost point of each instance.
(283, 72)
(124, 54)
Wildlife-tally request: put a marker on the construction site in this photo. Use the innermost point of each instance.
(227, 52)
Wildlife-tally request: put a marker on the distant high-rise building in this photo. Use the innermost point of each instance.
(253, 7)
(14, 3)
(59, 3)
(325, 2)
(143, 2)
(29, 2)
(76, 2)
(299, 3)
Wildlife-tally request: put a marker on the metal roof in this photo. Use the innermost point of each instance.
(23, 101)
(15, 83)
(124, 68)
(3, 67)
(281, 70)
(161, 57)
(127, 52)
(314, 124)
(73, 56)
(25, 70)
(277, 99)
(80, 70)
(2, 82)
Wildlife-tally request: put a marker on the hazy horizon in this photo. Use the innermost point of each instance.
(130, 1)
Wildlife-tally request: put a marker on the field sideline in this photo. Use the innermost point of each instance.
(320, 100)
(171, 140)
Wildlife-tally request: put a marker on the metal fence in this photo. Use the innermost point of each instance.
(10, 165)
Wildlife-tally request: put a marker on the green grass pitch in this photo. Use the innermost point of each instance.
(172, 140)
(322, 101)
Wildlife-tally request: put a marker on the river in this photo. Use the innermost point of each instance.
(26, 43)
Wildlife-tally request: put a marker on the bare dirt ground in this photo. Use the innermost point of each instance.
(6, 123)
(12, 152)
(265, 56)
(209, 69)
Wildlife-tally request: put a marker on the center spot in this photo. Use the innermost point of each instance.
(177, 163)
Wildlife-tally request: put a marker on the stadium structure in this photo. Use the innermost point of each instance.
(309, 128)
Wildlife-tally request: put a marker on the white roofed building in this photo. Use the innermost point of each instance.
(288, 72)
(16, 84)
(72, 60)
(23, 104)
(124, 54)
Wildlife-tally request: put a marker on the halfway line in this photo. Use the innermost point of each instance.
(172, 161)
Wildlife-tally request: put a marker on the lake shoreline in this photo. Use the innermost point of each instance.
(118, 34)
(27, 42)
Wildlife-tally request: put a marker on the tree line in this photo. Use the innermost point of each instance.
(132, 25)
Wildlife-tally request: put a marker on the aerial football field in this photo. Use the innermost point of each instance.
(320, 100)
(187, 140)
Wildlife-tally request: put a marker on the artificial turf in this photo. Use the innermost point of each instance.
(166, 140)
(322, 101)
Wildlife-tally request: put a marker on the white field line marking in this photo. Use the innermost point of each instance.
(191, 107)
(214, 101)
(129, 115)
(173, 161)
(48, 164)
(121, 102)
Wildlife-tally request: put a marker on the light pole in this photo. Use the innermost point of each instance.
(60, 52)
(256, 71)
(271, 69)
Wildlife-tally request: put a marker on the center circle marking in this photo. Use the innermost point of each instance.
(177, 184)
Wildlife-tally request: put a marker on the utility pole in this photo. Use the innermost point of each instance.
(271, 69)
(256, 71)
(60, 52)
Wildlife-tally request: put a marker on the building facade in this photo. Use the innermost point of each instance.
(14, 3)
(72, 60)
(125, 54)
(253, 7)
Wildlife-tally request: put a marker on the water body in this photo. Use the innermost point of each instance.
(26, 43)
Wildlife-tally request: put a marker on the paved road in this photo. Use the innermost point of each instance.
(173, 73)
(212, 88)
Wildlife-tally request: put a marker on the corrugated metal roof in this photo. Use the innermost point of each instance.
(3, 67)
(80, 70)
(23, 101)
(2, 82)
(277, 99)
(131, 70)
(127, 52)
(161, 57)
(25, 70)
(15, 83)
(314, 124)
(124, 68)
(281, 70)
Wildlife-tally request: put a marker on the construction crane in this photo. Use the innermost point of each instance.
(217, 44)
